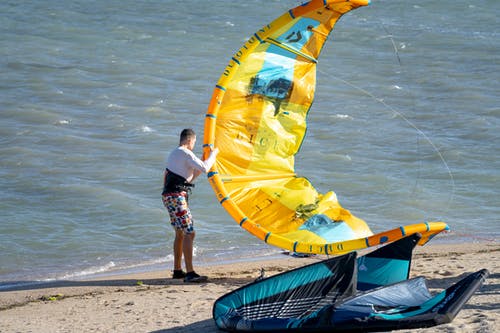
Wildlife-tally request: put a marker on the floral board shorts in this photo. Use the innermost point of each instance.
(180, 215)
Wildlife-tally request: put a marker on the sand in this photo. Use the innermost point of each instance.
(152, 302)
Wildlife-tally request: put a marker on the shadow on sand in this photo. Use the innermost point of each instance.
(36, 285)
(206, 326)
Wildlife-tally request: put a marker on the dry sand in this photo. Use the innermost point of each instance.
(151, 302)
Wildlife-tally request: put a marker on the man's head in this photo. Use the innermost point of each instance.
(188, 138)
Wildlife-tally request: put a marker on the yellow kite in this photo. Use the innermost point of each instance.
(257, 118)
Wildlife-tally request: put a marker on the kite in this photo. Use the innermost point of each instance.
(257, 119)
(330, 296)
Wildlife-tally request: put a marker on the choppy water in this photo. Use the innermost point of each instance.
(93, 94)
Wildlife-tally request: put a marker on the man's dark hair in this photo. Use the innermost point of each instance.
(186, 134)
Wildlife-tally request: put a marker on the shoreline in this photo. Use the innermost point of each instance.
(98, 272)
(137, 269)
(153, 302)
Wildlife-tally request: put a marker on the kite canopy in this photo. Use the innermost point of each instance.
(326, 297)
(257, 119)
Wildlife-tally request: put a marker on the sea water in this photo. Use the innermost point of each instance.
(93, 95)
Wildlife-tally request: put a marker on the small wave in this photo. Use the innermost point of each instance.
(146, 129)
(62, 122)
(89, 271)
(342, 116)
(114, 106)
(111, 268)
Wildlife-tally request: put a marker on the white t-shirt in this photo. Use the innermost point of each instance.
(184, 162)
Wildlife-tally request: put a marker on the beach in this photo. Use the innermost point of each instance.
(403, 128)
(153, 302)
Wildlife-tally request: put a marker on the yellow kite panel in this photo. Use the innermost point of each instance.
(257, 119)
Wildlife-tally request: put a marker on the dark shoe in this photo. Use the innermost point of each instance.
(178, 274)
(193, 277)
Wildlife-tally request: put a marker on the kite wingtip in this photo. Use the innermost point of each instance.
(361, 2)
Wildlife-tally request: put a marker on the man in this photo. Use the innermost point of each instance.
(182, 169)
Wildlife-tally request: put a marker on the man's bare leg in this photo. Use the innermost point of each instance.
(178, 249)
(188, 251)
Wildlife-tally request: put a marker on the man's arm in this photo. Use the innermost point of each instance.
(200, 166)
